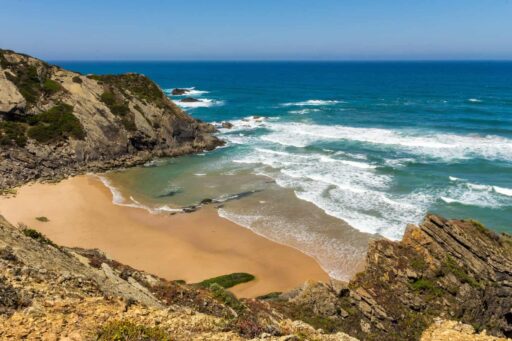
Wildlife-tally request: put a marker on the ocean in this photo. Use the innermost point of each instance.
(324, 156)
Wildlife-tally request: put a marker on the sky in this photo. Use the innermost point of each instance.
(258, 30)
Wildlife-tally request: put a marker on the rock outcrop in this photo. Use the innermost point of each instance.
(55, 122)
(453, 269)
(179, 92)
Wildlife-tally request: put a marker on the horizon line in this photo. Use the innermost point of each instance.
(279, 60)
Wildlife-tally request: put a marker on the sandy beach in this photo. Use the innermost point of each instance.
(190, 247)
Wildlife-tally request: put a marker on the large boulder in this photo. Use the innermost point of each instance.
(11, 100)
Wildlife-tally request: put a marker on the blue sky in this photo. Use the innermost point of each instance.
(258, 30)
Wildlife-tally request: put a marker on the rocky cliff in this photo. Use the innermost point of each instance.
(55, 122)
(450, 269)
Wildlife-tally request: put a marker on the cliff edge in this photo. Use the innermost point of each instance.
(55, 122)
(449, 269)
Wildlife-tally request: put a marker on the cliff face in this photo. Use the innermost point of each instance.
(55, 122)
(453, 269)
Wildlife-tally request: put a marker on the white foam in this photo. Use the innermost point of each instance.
(473, 194)
(503, 191)
(203, 103)
(444, 146)
(246, 124)
(337, 257)
(453, 178)
(303, 111)
(117, 196)
(469, 194)
(199, 174)
(311, 102)
(346, 189)
(119, 199)
(474, 100)
(448, 200)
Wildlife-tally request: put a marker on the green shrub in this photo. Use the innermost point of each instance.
(418, 264)
(227, 298)
(129, 123)
(56, 123)
(129, 331)
(108, 98)
(36, 235)
(43, 219)
(12, 133)
(450, 266)
(77, 79)
(426, 285)
(51, 86)
(228, 281)
(120, 109)
(28, 83)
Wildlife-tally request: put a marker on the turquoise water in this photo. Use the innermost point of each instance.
(376, 145)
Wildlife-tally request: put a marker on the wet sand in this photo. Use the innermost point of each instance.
(190, 247)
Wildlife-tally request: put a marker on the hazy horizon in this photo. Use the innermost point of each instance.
(287, 30)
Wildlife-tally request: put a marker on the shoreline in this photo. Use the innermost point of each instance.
(189, 246)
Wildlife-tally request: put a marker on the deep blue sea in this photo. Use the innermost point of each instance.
(374, 144)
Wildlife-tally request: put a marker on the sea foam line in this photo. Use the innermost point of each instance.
(119, 200)
(311, 102)
(202, 103)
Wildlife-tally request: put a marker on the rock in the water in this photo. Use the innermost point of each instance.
(227, 125)
(179, 92)
(190, 100)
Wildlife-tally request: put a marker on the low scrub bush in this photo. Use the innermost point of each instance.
(228, 281)
(56, 123)
(12, 134)
(51, 87)
(36, 235)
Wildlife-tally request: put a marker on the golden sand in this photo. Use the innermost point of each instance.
(191, 247)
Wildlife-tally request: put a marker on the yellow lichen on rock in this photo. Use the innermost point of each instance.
(443, 330)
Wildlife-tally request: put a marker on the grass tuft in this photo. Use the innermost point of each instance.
(42, 219)
(450, 265)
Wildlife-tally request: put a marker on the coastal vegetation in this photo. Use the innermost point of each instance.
(228, 281)
(42, 219)
(129, 331)
(36, 235)
(56, 123)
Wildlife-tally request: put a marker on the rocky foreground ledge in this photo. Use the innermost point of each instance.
(442, 273)
(55, 122)
(450, 269)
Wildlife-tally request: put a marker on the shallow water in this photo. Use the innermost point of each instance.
(376, 145)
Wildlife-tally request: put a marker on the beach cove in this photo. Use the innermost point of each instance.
(186, 246)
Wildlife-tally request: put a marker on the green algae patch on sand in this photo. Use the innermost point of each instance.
(228, 281)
